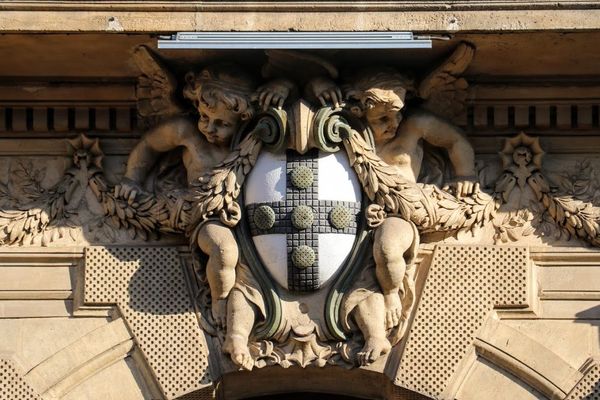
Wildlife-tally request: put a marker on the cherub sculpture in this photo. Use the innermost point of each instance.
(379, 97)
(223, 97)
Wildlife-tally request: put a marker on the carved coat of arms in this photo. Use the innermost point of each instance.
(295, 272)
(305, 196)
(303, 212)
(298, 194)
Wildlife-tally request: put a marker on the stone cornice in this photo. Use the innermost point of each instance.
(417, 16)
(270, 6)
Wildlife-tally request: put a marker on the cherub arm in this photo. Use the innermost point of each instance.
(442, 133)
(165, 137)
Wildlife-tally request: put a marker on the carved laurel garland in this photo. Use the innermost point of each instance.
(433, 209)
(217, 191)
(213, 197)
(427, 206)
(34, 222)
(49, 214)
(577, 218)
(571, 211)
(140, 215)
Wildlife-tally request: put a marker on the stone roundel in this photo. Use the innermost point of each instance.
(301, 177)
(303, 256)
(340, 217)
(264, 217)
(302, 217)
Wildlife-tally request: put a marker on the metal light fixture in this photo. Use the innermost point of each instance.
(294, 40)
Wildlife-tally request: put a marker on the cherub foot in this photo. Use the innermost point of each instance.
(237, 347)
(219, 312)
(372, 350)
(393, 309)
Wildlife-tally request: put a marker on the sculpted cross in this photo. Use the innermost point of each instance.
(302, 216)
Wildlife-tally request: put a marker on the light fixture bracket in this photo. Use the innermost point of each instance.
(293, 40)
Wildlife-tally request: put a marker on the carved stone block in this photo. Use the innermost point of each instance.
(149, 287)
(464, 284)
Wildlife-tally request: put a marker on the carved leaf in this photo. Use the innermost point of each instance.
(26, 181)
(430, 208)
(216, 192)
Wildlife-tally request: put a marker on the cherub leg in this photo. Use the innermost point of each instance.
(392, 240)
(240, 320)
(218, 242)
(369, 316)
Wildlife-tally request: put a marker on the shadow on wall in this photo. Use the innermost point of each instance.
(156, 284)
(590, 316)
(303, 396)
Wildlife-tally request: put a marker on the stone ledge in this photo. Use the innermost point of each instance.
(319, 5)
(139, 20)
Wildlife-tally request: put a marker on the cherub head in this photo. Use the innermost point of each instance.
(522, 156)
(221, 94)
(379, 96)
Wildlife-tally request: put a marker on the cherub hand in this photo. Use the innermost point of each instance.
(464, 186)
(273, 93)
(326, 91)
(128, 189)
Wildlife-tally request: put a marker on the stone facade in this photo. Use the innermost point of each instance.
(399, 224)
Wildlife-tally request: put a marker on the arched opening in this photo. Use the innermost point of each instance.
(328, 383)
(303, 396)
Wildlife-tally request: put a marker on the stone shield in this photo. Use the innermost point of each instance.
(303, 213)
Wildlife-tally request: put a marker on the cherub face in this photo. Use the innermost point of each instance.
(218, 124)
(522, 156)
(383, 121)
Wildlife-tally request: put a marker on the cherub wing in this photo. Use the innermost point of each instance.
(156, 88)
(444, 90)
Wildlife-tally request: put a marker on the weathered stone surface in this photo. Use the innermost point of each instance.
(309, 16)
(449, 251)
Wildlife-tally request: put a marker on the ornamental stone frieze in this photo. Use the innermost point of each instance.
(295, 226)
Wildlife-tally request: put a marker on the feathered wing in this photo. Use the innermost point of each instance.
(444, 90)
(157, 87)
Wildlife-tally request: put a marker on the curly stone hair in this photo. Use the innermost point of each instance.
(382, 86)
(225, 83)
